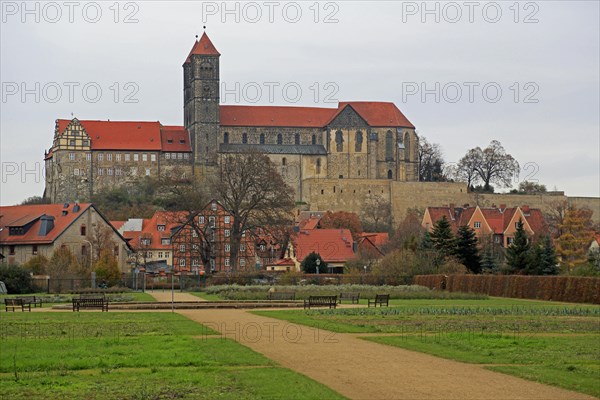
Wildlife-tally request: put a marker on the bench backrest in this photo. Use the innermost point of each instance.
(13, 302)
(27, 298)
(382, 297)
(322, 299)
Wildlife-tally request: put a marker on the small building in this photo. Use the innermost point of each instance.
(496, 223)
(373, 244)
(31, 230)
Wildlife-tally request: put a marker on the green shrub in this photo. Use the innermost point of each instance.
(16, 279)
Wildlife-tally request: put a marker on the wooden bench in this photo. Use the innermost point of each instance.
(320, 301)
(282, 296)
(380, 299)
(353, 297)
(36, 301)
(88, 301)
(14, 303)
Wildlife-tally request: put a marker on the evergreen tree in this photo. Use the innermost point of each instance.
(309, 264)
(466, 250)
(489, 264)
(546, 262)
(518, 257)
(426, 243)
(442, 237)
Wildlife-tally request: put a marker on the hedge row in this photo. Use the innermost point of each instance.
(556, 288)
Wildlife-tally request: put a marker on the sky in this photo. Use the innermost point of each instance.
(464, 73)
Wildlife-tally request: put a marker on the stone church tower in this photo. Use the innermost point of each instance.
(201, 101)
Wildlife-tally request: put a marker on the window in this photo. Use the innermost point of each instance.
(390, 174)
(242, 247)
(182, 262)
(72, 142)
(144, 157)
(100, 171)
(227, 262)
(72, 156)
(109, 157)
(242, 262)
(509, 241)
(145, 241)
(389, 146)
(181, 141)
(167, 156)
(86, 142)
(283, 161)
(244, 138)
(153, 157)
(262, 247)
(477, 225)
(118, 172)
(314, 139)
(161, 228)
(167, 254)
(194, 233)
(109, 171)
(182, 248)
(136, 157)
(226, 137)
(76, 171)
(213, 206)
(195, 262)
(227, 219)
(82, 230)
(127, 157)
(160, 254)
(406, 147)
(186, 156)
(88, 156)
(319, 166)
(118, 157)
(201, 219)
(100, 157)
(339, 141)
(517, 225)
(279, 138)
(227, 233)
(11, 250)
(297, 138)
(165, 242)
(262, 138)
(149, 254)
(358, 142)
(34, 249)
(211, 222)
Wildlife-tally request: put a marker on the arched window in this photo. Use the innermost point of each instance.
(358, 142)
(279, 138)
(314, 139)
(406, 147)
(226, 137)
(318, 166)
(297, 138)
(339, 141)
(389, 146)
(244, 138)
(283, 161)
(262, 138)
(390, 175)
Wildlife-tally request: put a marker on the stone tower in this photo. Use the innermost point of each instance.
(201, 101)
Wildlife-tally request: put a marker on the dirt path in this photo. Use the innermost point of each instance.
(165, 295)
(360, 369)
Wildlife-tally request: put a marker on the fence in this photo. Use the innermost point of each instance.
(557, 288)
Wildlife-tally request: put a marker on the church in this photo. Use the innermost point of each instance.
(358, 140)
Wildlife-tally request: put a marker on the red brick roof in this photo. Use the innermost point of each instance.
(150, 230)
(131, 135)
(334, 245)
(117, 224)
(21, 215)
(378, 113)
(310, 223)
(203, 47)
(378, 239)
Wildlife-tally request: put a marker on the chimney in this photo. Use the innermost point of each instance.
(502, 207)
(46, 224)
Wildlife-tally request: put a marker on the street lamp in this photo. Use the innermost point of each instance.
(318, 262)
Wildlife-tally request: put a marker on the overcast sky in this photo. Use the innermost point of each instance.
(526, 75)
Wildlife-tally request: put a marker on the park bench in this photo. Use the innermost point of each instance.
(14, 303)
(320, 301)
(90, 301)
(353, 297)
(380, 299)
(36, 301)
(281, 296)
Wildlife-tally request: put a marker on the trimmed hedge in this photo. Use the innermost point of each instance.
(556, 288)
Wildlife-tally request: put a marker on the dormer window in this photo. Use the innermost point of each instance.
(170, 141)
(145, 241)
(181, 141)
(161, 228)
(165, 242)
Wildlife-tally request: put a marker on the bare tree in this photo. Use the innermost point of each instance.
(376, 213)
(249, 186)
(496, 166)
(466, 169)
(431, 162)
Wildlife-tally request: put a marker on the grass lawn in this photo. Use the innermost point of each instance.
(553, 343)
(96, 355)
(51, 299)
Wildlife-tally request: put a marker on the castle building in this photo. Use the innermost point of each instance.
(355, 140)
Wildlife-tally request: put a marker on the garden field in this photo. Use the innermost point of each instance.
(135, 356)
(552, 343)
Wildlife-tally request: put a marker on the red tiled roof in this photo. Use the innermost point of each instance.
(48, 155)
(203, 47)
(130, 135)
(378, 239)
(150, 230)
(117, 224)
(378, 113)
(310, 223)
(334, 245)
(20, 215)
(306, 117)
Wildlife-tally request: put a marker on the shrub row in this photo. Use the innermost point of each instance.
(556, 288)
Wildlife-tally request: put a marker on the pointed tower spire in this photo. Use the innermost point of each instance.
(203, 47)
